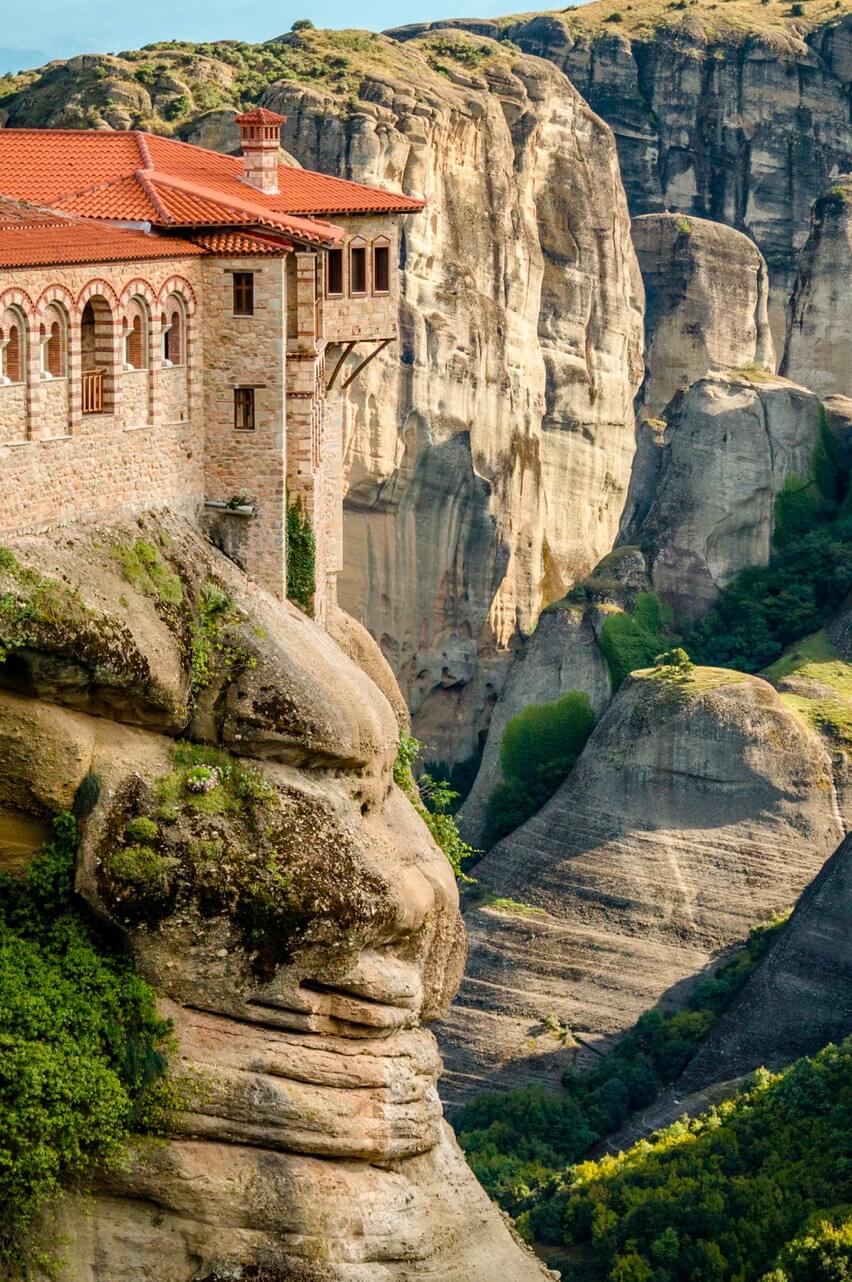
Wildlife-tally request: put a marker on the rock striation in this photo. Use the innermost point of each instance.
(697, 809)
(287, 903)
(800, 997)
(706, 292)
(819, 329)
(702, 506)
(520, 356)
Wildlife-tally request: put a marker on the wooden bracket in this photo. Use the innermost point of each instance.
(347, 349)
(380, 347)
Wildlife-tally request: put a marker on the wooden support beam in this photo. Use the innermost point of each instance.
(380, 347)
(346, 350)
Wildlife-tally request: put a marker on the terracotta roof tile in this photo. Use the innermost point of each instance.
(143, 177)
(237, 242)
(260, 116)
(42, 246)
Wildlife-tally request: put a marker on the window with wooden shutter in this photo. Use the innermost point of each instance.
(381, 268)
(244, 293)
(244, 409)
(358, 269)
(334, 273)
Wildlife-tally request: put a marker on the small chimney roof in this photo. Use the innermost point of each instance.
(260, 116)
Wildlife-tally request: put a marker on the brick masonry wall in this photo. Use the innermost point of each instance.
(369, 315)
(59, 464)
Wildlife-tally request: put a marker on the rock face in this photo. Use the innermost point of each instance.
(295, 916)
(744, 128)
(697, 809)
(800, 998)
(729, 444)
(819, 330)
(561, 655)
(488, 459)
(706, 292)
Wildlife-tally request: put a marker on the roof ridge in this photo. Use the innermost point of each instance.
(142, 143)
(145, 180)
(327, 230)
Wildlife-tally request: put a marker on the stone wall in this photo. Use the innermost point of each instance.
(59, 463)
(369, 315)
(246, 351)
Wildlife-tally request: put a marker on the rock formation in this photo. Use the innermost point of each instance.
(732, 112)
(730, 442)
(706, 292)
(800, 997)
(819, 330)
(697, 809)
(521, 318)
(250, 849)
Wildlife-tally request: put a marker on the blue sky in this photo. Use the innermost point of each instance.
(43, 29)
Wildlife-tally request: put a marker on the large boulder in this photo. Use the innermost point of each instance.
(706, 293)
(519, 355)
(280, 893)
(699, 807)
(729, 444)
(819, 326)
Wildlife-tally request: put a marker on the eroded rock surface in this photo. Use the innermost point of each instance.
(706, 293)
(512, 387)
(819, 327)
(696, 810)
(730, 442)
(248, 845)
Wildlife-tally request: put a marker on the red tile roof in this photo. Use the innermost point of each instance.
(238, 242)
(38, 244)
(260, 116)
(141, 177)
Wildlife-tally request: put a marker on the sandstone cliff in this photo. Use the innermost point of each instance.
(733, 112)
(729, 444)
(696, 810)
(799, 999)
(292, 911)
(706, 292)
(819, 330)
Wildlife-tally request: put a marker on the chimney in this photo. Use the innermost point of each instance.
(260, 133)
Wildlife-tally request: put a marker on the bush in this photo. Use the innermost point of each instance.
(302, 24)
(81, 1044)
(539, 748)
(433, 800)
(768, 608)
(633, 640)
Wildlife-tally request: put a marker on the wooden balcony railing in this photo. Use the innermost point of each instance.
(93, 391)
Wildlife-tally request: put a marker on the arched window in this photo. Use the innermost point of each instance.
(53, 337)
(381, 265)
(136, 335)
(97, 354)
(358, 267)
(174, 331)
(13, 352)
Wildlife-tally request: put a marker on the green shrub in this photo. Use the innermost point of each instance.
(633, 640)
(768, 608)
(301, 558)
(539, 748)
(432, 799)
(81, 1045)
(144, 568)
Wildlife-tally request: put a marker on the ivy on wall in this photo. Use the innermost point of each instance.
(301, 557)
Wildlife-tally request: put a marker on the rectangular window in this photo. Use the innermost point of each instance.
(358, 270)
(244, 409)
(334, 273)
(381, 269)
(244, 293)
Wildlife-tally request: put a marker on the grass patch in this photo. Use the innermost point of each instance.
(213, 645)
(827, 705)
(632, 639)
(144, 569)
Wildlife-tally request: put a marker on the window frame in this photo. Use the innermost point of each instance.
(243, 282)
(381, 245)
(358, 247)
(339, 257)
(245, 396)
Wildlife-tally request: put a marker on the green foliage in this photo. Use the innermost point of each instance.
(539, 748)
(81, 1045)
(713, 1199)
(768, 608)
(87, 794)
(144, 569)
(633, 640)
(433, 800)
(821, 1253)
(684, 226)
(460, 777)
(302, 24)
(301, 558)
(212, 645)
(34, 607)
(519, 1148)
